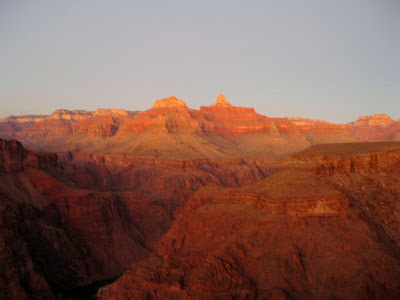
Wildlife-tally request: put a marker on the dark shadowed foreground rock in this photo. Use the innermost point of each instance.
(56, 236)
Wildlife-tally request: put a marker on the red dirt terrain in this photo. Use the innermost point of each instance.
(324, 225)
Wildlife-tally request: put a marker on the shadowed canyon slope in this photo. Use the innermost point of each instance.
(324, 225)
(79, 219)
(215, 203)
(56, 235)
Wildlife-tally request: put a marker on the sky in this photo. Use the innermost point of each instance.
(334, 59)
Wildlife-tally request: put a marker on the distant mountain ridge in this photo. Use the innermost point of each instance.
(170, 127)
(377, 127)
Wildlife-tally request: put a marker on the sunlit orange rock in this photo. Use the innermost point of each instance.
(221, 101)
(170, 128)
(378, 127)
(322, 132)
(170, 102)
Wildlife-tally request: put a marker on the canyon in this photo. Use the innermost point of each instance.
(215, 203)
(324, 225)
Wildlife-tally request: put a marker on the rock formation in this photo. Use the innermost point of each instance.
(170, 102)
(322, 132)
(220, 202)
(64, 123)
(106, 212)
(376, 127)
(171, 128)
(221, 101)
(299, 233)
(56, 235)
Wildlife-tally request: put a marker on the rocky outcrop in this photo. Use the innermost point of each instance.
(374, 128)
(164, 277)
(115, 113)
(224, 119)
(57, 236)
(165, 118)
(374, 120)
(166, 181)
(368, 174)
(266, 237)
(113, 209)
(171, 128)
(64, 114)
(65, 123)
(378, 127)
(242, 228)
(322, 132)
(170, 102)
(222, 101)
(15, 158)
(39, 260)
(359, 158)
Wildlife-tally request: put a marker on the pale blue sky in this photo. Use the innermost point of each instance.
(333, 60)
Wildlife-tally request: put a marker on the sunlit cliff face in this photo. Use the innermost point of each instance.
(225, 127)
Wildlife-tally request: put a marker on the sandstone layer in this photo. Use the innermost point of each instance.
(378, 127)
(170, 129)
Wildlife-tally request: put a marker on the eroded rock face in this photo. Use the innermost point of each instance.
(218, 131)
(116, 113)
(298, 233)
(322, 132)
(242, 230)
(15, 158)
(374, 120)
(378, 127)
(368, 174)
(221, 101)
(172, 130)
(170, 102)
(65, 123)
(98, 214)
(38, 258)
(57, 236)
(169, 130)
(19, 277)
(166, 181)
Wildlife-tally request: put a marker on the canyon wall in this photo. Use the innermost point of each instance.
(170, 129)
(302, 232)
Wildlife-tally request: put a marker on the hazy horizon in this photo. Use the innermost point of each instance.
(331, 60)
